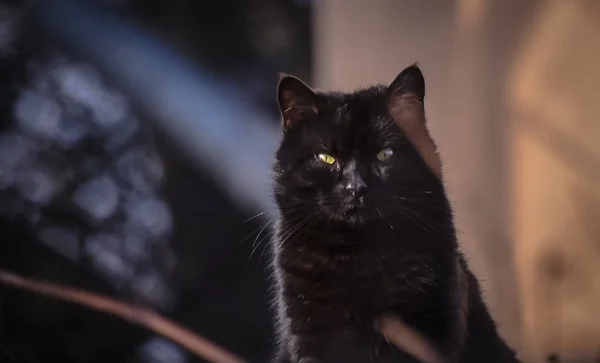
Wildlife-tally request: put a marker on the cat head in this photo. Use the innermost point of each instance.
(345, 158)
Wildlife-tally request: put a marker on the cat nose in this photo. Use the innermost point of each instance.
(356, 187)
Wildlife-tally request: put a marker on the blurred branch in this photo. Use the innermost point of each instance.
(392, 328)
(409, 340)
(133, 314)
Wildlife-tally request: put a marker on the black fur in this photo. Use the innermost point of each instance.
(362, 237)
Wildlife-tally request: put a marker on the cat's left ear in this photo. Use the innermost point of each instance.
(406, 97)
(297, 101)
(407, 91)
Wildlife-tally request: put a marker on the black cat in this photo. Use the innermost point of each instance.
(366, 230)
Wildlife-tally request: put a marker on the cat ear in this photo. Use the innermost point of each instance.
(296, 100)
(406, 96)
(407, 90)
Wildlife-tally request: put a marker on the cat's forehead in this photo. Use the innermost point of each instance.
(358, 114)
(359, 107)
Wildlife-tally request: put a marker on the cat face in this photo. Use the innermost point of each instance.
(344, 159)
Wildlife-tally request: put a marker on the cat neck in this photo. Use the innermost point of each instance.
(377, 236)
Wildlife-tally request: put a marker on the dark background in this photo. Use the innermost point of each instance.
(218, 289)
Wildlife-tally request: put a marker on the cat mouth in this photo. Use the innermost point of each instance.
(354, 205)
(355, 219)
(351, 209)
(353, 213)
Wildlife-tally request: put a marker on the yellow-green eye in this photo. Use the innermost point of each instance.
(326, 158)
(385, 154)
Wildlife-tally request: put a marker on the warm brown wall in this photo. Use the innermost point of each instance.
(554, 96)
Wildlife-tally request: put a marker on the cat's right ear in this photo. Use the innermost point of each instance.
(297, 101)
(406, 95)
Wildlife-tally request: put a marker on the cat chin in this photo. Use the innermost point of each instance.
(351, 219)
(356, 221)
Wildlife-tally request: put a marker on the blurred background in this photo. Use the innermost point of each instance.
(136, 139)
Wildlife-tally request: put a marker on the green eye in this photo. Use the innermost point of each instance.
(326, 158)
(385, 154)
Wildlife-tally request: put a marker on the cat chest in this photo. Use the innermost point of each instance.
(356, 283)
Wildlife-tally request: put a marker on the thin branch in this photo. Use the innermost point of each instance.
(147, 318)
(409, 340)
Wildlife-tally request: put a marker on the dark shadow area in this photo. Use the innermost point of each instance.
(207, 272)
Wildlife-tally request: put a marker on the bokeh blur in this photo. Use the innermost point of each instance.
(136, 140)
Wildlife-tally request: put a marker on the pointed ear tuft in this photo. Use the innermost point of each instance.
(296, 100)
(406, 97)
(409, 85)
(283, 75)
